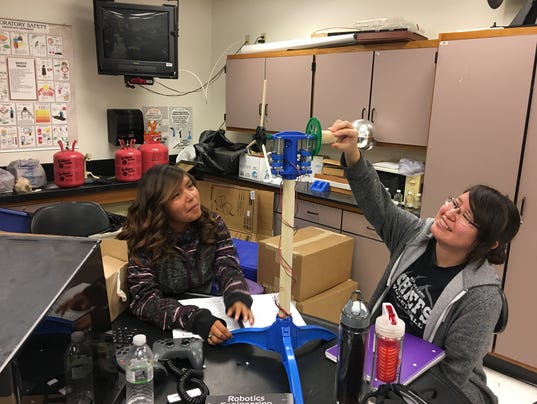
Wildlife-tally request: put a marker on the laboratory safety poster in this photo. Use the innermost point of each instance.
(36, 85)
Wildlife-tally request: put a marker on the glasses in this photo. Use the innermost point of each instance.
(452, 203)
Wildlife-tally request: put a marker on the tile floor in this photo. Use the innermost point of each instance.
(509, 390)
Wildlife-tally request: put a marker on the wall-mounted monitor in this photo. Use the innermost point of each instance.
(136, 40)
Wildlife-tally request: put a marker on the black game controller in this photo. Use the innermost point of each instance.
(178, 348)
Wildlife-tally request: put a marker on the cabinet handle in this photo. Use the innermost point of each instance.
(266, 109)
(259, 110)
(364, 111)
(373, 115)
(370, 228)
(309, 212)
(522, 205)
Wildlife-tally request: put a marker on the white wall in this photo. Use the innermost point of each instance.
(207, 29)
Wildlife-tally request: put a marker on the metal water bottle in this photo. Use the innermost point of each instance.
(353, 331)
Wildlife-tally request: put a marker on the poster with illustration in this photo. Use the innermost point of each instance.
(36, 91)
(8, 138)
(42, 113)
(5, 45)
(55, 46)
(7, 114)
(44, 135)
(156, 122)
(38, 44)
(180, 129)
(61, 70)
(46, 91)
(19, 43)
(26, 136)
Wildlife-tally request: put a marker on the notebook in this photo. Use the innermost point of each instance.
(418, 356)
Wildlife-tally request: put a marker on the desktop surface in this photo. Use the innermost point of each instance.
(246, 369)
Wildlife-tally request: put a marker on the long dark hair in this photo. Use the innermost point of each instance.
(498, 220)
(146, 228)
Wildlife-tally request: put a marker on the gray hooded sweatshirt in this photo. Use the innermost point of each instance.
(463, 318)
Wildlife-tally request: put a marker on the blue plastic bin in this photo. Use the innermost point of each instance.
(14, 221)
(247, 251)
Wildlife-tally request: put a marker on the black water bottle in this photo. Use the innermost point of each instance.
(352, 340)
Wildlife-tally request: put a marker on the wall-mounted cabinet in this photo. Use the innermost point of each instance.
(480, 133)
(392, 88)
(287, 97)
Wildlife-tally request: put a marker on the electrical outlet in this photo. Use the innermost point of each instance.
(247, 38)
(261, 38)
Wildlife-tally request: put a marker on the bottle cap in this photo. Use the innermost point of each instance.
(389, 325)
(139, 340)
(77, 336)
(355, 313)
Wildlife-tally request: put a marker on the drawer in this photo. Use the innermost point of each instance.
(357, 224)
(318, 214)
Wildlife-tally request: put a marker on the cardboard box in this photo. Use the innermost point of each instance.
(321, 259)
(253, 167)
(115, 257)
(241, 208)
(328, 304)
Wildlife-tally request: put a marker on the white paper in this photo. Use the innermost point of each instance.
(263, 307)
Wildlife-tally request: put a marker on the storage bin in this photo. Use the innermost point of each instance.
(247, 251)
(14, 221)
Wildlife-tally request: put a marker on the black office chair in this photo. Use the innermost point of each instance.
(77, 218)
(504, 315)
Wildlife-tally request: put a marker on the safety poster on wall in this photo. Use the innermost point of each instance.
(36, 85)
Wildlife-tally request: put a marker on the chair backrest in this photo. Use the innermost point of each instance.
(504, 315)
(77, 218)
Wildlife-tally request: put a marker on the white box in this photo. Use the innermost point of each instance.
(253, 168)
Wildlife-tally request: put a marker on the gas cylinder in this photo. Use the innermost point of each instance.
(69, 170)
(153, 152)
(128, 162)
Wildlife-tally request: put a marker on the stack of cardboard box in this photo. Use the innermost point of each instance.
(321, 269)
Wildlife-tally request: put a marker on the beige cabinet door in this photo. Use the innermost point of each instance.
(288, 100)
(244, 92)
(401, 95)
(481, 94)
(341, 86)
(370, 256)
(518, 340)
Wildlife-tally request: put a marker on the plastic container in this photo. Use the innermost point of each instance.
(352, 343)
(388, 347)
(78, 362)
(139, 372)
(398, 198)
(153, 152)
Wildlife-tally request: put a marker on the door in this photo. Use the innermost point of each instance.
(342, 83)
(401, 95)
(288, 99)
(244, 92)
(480, 103)
(518, 340)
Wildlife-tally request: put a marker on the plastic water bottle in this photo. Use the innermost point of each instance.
(78, 361)
(139, 372)
(388, 347)
(352, 335)
(398, 198)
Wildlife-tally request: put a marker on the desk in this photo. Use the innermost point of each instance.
(246, 369)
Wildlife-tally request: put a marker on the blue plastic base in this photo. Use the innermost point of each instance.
(283, 336)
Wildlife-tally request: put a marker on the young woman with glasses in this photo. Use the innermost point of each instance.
(440, 277)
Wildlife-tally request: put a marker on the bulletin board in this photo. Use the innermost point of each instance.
(36, 86)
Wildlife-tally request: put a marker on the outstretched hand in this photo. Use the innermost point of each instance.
(346, 140)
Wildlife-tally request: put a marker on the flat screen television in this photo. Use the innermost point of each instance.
(136, 40)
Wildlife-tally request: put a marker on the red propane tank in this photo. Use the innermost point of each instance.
(153, 152)
(69, 170)
(128, 162)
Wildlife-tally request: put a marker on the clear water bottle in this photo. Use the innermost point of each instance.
(139, 372)
(352, 342)
(388, 347)
(78, 362)
(409, 201)
(398, 198)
